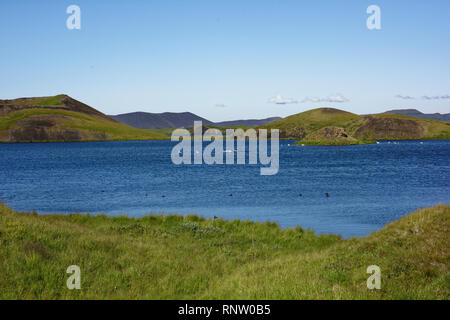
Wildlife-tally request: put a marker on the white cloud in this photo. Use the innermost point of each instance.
(404, 97)
(220, 105)
(280, 100)
(311, 99)
(445, 96)
(337, 98)
(430, 98)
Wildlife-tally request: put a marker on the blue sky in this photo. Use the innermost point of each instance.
(224, 60)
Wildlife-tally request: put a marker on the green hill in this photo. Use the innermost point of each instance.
(370, 127)
(299, 125)
(61, 118)
(175, 257)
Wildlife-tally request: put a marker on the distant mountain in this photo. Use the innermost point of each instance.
(416, 113)
(146, 120)
(61, 118)
(247, 123)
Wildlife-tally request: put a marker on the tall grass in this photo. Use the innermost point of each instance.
(176, 257)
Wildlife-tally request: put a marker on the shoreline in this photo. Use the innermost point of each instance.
(197, 217)
(168, 139)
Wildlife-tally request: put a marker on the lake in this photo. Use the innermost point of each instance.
(368, 185)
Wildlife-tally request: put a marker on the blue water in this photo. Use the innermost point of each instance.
(368, 185)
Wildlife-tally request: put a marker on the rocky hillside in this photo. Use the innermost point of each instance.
(370, 127)
(330, 136)
(61, 118)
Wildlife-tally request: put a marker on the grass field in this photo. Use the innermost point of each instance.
(175, 257)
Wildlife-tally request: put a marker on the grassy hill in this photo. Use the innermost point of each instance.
(175, 257)
(301, 124)
(61, 118)
(371, 127)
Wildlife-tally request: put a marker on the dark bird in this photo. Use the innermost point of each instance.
(163, 196)
(327, 195)
(230, 195)
(299, 194)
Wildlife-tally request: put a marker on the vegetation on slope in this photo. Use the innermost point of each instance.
(162, 257)
(331, 136)
(61, 118)
(428, 128)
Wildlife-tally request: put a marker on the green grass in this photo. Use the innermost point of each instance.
(40, 101)
(162, 257)
(11, 119)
